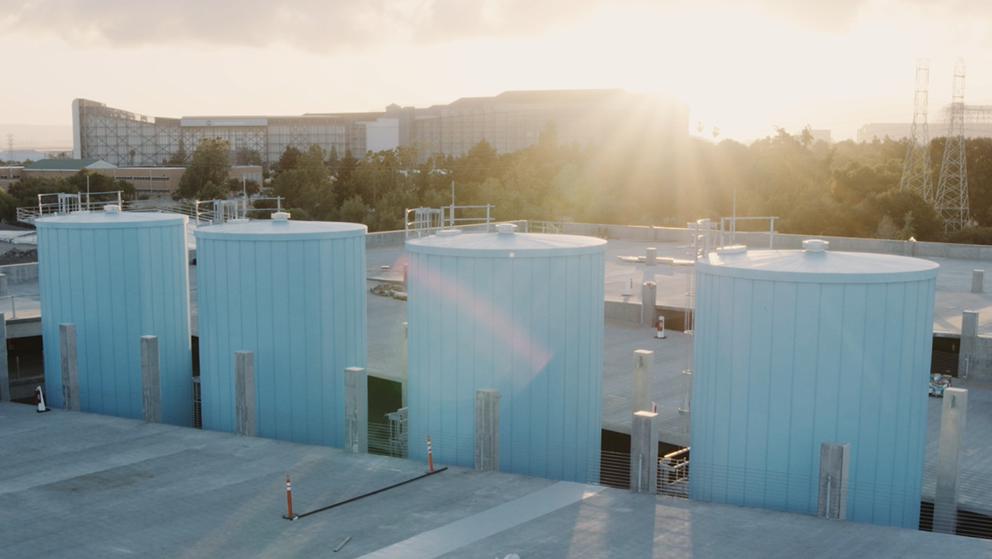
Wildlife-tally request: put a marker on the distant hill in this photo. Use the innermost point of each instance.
(55, 137)
(22, 155)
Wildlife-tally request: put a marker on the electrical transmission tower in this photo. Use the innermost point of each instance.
(916, 167)
(951, 201)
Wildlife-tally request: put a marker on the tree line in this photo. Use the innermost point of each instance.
(24, 192)
(813, 188)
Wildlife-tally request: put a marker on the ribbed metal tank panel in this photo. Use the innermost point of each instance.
(519, 313)
(294, 294)
(796, 348)
(117, 277)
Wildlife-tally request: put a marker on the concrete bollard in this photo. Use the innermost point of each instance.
(70, 367)
(244, 393)
(832, 495)
(969, 342)
(649, 298)
(651, 256)
(644, 453)
(403, 366)
(977, 280)
(4, 373)
(643, 381)
(356, 410)
(487, 429)
(953, 417)
(969, 324)
(151, 386)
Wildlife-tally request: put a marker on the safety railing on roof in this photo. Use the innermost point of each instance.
(426, 221)
(200, 212)
(61, 203)
(534, 226)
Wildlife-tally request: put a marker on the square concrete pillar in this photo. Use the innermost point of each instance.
(952, 427)
(977, 280)
(649, 298)
(969, 342)
(4, 373)
(356, 410)
(651, 256)
(244, 393)
(3, 285)
(969, 324)
(70, 367)
(487, 429)
(832, 497)
(151, 386)
(403, 363)
(644, 453)
(641, 396)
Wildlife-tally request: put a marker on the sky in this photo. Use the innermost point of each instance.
(744, 69)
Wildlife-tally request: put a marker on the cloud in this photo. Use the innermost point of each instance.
(331, 25)
(315, 25)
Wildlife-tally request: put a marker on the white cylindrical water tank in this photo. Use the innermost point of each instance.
(797, 348)
(292, 292)
(521, 313)
(117, 276)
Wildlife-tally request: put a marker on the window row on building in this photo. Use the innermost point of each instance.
(509, 122)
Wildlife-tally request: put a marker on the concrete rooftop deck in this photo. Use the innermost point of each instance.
(82, 485)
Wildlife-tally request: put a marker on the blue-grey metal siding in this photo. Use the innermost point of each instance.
(782, 366)
(117, 280)
(299, 305)
(530, 326)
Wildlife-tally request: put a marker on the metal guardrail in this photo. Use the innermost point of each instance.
(65, 203)
(554, 227)
(426, 221)
(201, 211)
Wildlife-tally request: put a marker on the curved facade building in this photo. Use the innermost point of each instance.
(521, 313)
(117, 276)
(292, 292)
(796, 348)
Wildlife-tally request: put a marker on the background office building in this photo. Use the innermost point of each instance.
(510, 121)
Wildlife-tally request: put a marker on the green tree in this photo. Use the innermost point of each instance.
(354, 210)
(247, 156)
(289, 159)
(8, 207)
(913, 211)
(211, 164)
(308, 185)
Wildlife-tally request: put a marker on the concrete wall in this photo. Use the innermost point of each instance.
(786, 242)
(976, 358)
(877, 246)
(17, 273)
(622, 311)
(629, 232)
(398, 238)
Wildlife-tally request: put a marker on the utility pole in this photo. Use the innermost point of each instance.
(916, 166)
(952, 190)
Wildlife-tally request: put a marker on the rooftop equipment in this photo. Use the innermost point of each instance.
(292, 292)
(520, 313)
(796, 348)
(117, 276)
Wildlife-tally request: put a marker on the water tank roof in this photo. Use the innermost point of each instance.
(816, 266)
(110, 220)
(272, 230)
(506, 245)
